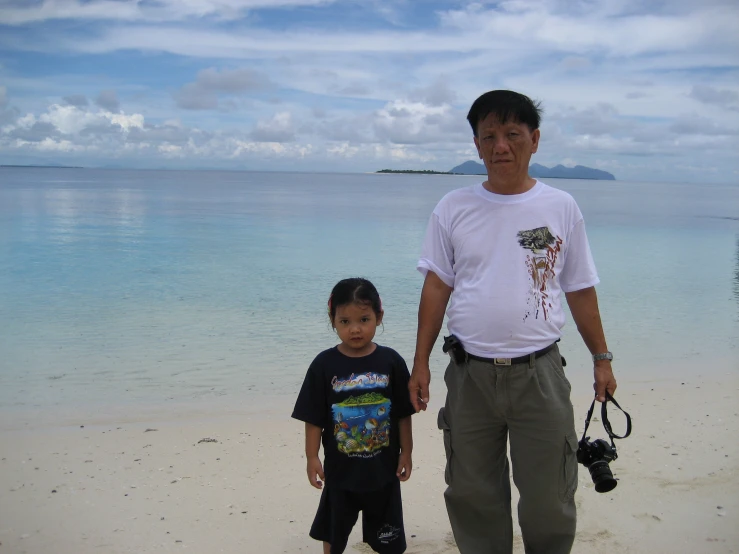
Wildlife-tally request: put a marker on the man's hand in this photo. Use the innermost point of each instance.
(405, 466)
(418, 386)
(315, 472)
(604, 380)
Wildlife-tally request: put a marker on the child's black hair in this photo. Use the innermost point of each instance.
(354, 291)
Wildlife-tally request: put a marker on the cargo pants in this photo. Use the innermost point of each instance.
(529, 404)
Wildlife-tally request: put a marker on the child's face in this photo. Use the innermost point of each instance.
(356, 325)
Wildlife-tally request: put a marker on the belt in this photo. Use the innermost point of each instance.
(512, 361)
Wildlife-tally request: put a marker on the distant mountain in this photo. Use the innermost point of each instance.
(538, 170)
(470, 168)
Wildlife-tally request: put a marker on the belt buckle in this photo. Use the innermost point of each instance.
(502, 361)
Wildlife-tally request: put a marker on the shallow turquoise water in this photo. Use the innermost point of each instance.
(153, 287)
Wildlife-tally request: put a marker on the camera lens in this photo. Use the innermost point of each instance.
(602, 476)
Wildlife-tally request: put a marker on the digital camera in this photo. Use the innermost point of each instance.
(596, 456)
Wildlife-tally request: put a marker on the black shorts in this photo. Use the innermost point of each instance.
(382, 518)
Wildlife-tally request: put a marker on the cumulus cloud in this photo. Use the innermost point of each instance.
(203, 93)
(402, 122)
(78, 100)
(37, 132)
(108, 100)
(436, 94)
(616, 79)
(277, 129)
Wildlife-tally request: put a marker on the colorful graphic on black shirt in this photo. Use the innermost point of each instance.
(545, 248)
(362, 423)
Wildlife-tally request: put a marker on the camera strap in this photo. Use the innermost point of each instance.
(606, 423)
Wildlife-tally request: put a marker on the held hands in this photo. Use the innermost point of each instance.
(418, 387)
(604, 380)
(315, 472)
(405, 466)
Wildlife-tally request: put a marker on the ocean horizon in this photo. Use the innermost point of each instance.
(130, 289)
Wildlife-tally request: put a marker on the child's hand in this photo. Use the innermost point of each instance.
(315, 472)
(405, 466)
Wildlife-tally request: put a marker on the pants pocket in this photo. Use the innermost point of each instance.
(560, 371)
(447, 432)
(568, 473)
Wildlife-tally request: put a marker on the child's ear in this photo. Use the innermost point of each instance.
(379, 318)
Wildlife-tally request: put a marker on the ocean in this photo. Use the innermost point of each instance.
(126, 290)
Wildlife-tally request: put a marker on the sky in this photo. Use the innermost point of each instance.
(645, 89)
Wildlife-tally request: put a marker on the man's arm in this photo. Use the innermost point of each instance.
(434, 298)
(584, 307)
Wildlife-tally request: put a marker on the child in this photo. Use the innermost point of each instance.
(355, 397)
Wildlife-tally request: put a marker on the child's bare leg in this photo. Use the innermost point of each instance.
(326, 548)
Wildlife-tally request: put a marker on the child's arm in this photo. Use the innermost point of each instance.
(312, 444)
(405, 434)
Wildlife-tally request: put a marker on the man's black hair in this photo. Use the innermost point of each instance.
(507, 106)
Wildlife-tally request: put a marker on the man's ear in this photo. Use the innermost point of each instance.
(535, 141)
(477, 145)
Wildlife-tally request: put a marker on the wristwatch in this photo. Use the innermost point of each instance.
(603, 356)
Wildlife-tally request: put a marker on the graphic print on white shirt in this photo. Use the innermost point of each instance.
(540, 263)
(509, 260)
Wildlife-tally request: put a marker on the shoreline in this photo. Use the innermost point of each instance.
(145, 482)
(254, 402)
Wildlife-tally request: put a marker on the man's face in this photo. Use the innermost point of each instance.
(506, 149)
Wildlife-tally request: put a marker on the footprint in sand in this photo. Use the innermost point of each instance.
(648, 517)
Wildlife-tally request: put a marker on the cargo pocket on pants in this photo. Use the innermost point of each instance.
(568, 473)
(444, 426)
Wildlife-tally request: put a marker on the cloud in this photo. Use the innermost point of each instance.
(402, 122)
(438, 93)
(7, 114)
(203, 94)
(698, 125)
(277, 129)
(108, 100)
(599, 120)
(136, 10)
(713, 96)
(389, 87)
(78, 100)
(37, 132)
(575, 63)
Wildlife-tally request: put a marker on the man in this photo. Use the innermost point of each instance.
(503, 251)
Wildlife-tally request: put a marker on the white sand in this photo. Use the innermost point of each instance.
(116, 487)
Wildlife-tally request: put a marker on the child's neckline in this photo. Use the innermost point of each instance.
(377, 346)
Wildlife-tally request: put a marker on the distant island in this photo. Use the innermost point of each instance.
(424, 171)
(44, 166)
(535, 170)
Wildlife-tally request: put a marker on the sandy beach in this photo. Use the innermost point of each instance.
(235, 482)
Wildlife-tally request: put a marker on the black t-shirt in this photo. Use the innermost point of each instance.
(357, 402)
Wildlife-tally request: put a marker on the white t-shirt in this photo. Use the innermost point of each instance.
(508, 258)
